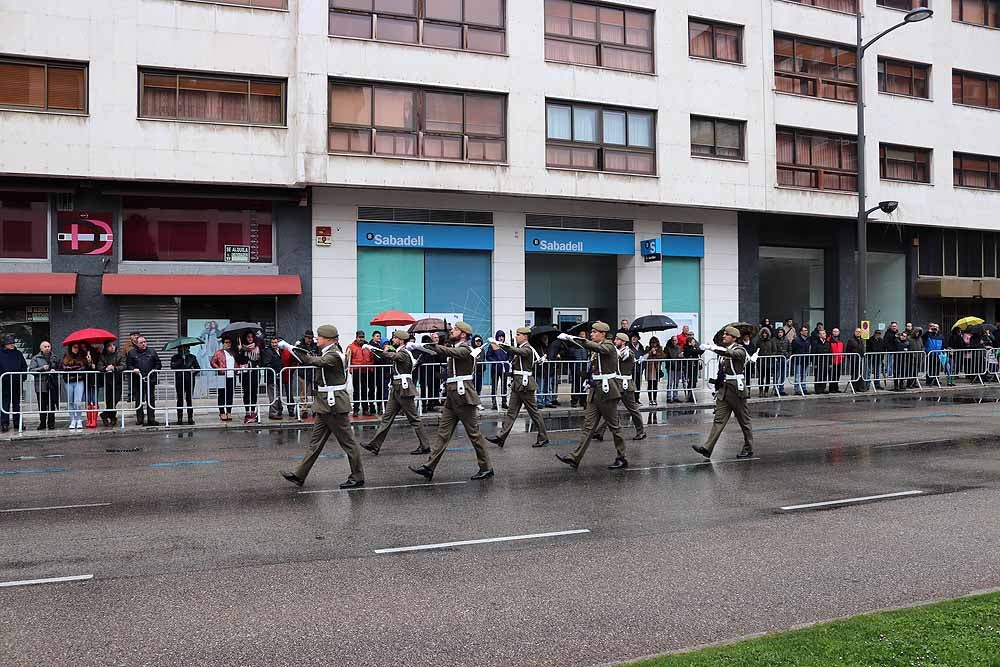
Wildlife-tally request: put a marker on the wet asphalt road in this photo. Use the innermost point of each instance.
(202, 555)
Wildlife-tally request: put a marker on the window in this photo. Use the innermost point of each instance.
(977, 12)
(211, 98)
(804, 67)
(817, 160)
(904, 163)
(24, 224)
(904, 5)
(260, 4)
(602, 35)
(849, 6)
(903, 78)
(194, 230)
(412, 122)
(976, 90)
(582, 136)
(43, 85)
(715, 137)
(716, 41)
(471, 25)
(977, 171)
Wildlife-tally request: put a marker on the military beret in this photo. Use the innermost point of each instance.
(600, 326)
(622, 336)
(327, 331)
(733, 331)
(464, 328)
(401, 335)
(523, 330)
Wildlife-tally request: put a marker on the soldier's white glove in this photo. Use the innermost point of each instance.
(705, 347)
(284, 345)
(564, 336)
(491, 340)
(366, 346)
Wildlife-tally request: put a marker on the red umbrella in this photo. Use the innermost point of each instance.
(392, 318)
(89, 337)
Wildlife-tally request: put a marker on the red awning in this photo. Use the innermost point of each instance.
(49, 284)
(131, 284)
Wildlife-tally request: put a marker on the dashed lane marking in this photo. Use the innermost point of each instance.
(847, 501)
(376, 488)
(52, 507)
(488, 540)
(52, 580)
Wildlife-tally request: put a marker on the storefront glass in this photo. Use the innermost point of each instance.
(792, 284)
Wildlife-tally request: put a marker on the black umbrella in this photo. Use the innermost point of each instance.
(652, 323)
(745, 329)
(577, 328)
(540, 330)
(239, 328)
(429, 325)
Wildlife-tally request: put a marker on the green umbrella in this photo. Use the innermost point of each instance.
(183, 340)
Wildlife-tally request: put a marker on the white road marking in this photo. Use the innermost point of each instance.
(512, 538)
(53, 580)
(53, 507)
(374, 488)
(827, 503)
(906, 444)
(692, 465)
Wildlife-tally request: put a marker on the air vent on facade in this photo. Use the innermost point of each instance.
(571, 222)
(690, 228)
(64, 201)
(379, 214)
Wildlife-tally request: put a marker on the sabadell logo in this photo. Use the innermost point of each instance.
(395, 241)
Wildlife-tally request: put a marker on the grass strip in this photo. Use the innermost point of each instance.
(958, 633)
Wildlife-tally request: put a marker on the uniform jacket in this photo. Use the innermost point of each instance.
(523, 358)
(403, 362)
(331, 372)
(733, 361)
(603, 361)
(461, 363)
(626, 365)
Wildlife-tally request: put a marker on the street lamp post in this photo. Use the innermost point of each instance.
(915, 16)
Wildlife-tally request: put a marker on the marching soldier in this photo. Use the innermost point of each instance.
(731, 394)
(331, 406)
(626, 362)
(602, 400)
(461, 401)
(522, 389)
(402, 398)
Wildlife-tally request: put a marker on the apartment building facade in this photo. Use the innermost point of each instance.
(299, 161)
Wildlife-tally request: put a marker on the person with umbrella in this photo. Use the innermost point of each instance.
(523, 387)
(731, 393)
(602, 399)
(77, 358)
(402, 396)
(187, 367)
(112, 363)
(143, 360)
(332, 407)
(461, 401)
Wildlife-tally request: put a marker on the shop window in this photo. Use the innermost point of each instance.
(715, 137)
(413, 122)
(715, 41)
(970, 254)
(930, 259)
(977, 171)
(898, 77)
(470, 25)
(975, 90)
(23, 226)
(609, 36)
(815, 69)
(950, 245)
(600, 138)
(182, 230)
(904, 163)
(43, 85)
(211, 98)
(817, 160)
(977, 12)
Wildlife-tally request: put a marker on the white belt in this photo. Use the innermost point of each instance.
(404, 379)
(606, 380)
(739, 380)
(524, 376)
(460, 380)
(331, 392)
(625, 380)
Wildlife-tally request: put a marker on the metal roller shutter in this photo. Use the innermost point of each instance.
(156, 318)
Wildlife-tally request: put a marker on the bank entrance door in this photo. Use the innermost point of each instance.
(567, 317)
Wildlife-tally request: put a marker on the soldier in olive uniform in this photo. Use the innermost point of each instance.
(461, 401)
(602, 400)
(731, 394)
(522, 389)
(627, 364)
(403, 397)
(332, 407)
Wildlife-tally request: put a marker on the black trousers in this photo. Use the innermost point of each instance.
(183, 386)
(112, 395)
(48, 402)
(226, 396)
(251, 389)
(150, 402)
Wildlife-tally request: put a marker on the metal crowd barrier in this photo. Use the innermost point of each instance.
(904, 369)
(670, 379)
(254, 390)
(41, 393)
(973, 364)
(825, 371)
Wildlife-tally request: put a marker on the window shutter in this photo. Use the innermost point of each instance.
(66, 89)
(22, 85)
